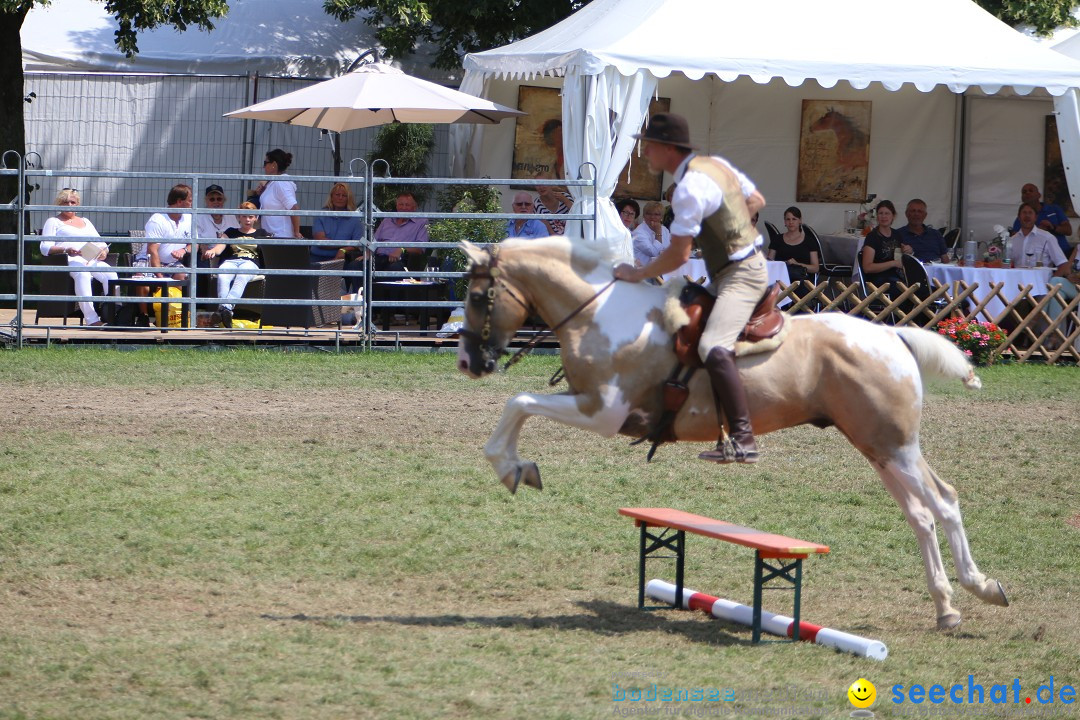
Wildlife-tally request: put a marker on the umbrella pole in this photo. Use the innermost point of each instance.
(335, 150)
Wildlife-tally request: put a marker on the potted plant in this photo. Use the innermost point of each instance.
(465, 199)
(977, 339)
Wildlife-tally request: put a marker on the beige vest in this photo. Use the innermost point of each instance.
(728, 230)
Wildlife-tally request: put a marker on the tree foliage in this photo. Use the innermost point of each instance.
(454, 27)
(132, 16)
(466, 199)
(1042, 15)
(406, 148)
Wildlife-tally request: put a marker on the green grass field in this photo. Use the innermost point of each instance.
(245, 534)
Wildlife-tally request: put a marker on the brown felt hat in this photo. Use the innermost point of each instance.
(668, 128)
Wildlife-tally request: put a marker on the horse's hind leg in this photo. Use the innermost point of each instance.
(914, 477)
(921, 521)
(982, 587)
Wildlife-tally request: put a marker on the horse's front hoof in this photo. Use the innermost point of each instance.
(511, 480)
(1001, 598)
(949, 621)
(530, 475)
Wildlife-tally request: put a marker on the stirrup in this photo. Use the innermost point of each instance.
(727, 451)
(722, 454)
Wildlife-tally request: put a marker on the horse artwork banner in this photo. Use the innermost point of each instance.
(636, 180)
(538, 151)
(1055, 188)
(834, 151)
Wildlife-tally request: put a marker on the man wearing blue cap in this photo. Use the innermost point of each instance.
(713, 204)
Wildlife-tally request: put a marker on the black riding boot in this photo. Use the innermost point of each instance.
(730, 400)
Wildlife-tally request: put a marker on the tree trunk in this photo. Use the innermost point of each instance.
(12, 132)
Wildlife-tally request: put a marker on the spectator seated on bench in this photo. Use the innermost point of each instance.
(84, 249)
(238, 254)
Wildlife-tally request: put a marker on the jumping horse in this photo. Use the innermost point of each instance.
(616, 344)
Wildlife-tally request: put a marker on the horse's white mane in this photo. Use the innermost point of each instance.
(579, 252)
(549, 243)
(674, 314)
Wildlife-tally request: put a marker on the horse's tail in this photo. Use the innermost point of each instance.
(937, 356)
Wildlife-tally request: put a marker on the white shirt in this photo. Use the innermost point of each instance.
(209, 229)
(646, 246)
(161, 227)
(56, 226)
(1040, 245)
(279, 194)
(697, 197)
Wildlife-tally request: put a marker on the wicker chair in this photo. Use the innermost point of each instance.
(61, 283)
(300, 287)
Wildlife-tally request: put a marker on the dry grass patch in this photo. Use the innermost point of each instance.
(259, 536)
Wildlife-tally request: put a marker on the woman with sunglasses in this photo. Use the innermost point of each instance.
(279, 194)
(79, 251)
(650, 237)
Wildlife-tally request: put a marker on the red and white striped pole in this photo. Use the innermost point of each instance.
(771, 623)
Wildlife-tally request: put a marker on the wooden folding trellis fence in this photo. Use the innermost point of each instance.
(1031, 333)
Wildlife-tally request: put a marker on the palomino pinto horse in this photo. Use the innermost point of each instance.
(832, 369)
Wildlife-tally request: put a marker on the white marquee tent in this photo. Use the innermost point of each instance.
(739, 72)
(162, 110)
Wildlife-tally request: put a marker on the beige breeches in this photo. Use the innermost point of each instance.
(738, 288)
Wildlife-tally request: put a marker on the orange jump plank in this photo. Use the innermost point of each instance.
(770, 545)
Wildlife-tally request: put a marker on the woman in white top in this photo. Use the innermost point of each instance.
(67, 224)
(279, 194)
(650, 236)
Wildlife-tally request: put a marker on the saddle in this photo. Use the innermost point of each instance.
(763, 332)
(765, 323)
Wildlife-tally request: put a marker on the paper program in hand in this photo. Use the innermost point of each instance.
(91, 250)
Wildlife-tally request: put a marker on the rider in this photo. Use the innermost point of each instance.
(713, 203)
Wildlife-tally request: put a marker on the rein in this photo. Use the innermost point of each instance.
(531, 345)
(484, 336)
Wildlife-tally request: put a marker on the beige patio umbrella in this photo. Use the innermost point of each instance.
(374, 94)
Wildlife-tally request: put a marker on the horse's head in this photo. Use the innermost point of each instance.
(494, 310)
(828, 121)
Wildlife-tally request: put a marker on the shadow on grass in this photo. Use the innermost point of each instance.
(602, 618)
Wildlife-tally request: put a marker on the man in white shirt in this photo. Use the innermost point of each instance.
(174, 227)
(713, 204)
(1032, 246)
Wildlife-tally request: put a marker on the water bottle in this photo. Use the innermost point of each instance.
(971, 249)
(1006, 260)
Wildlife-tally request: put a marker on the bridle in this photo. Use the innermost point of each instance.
(483, 339)
(491, 272)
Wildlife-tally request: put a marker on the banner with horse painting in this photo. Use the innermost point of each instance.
(1055, 188)
(834, 151)
(635, 180)
(538, 151)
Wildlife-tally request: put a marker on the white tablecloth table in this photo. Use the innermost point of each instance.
(840, 248)
(1013, 279)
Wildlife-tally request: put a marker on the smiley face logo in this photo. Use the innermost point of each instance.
(862, 693)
